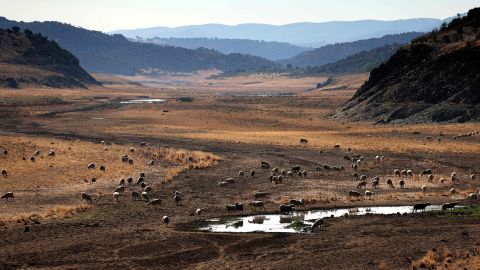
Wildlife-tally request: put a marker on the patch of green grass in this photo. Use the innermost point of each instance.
(298, 224)
(185, 99)
(468, 211)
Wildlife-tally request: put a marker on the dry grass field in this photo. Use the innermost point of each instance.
(225, 125)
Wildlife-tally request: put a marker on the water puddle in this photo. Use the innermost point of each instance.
(142, 101)
(299, 221)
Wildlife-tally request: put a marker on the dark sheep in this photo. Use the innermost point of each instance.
(420, 206)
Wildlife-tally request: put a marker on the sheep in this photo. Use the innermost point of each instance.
(257, 204)
(155, 202)
(143, 144)
(229, 180)
(283, 173)
(136, 196)
(8, 196)
(37, 153)
(347, 158)
(177, 199)
(390, 183)
(261, 194)
(363, 177)
(303, 141)
(285, 208)
(176, 192)
(362, 184)
(430, 178)
(368, 193)
(443, 180)
(51, 153)
(355, 167)
(296, 168)
(222, 184)
(166, 220)
(396, 172)
(319, 222)
(230, 208)
(116, 196)
(102, 168)
(143, 185)
(252, 173)
(32, 159)
(473, 177)
(4, 173)
(199, 211)
(424, 189)
(453, 176)
(130, 180)
(353, 193)
(86, 197)
(130, 161)
(296, 202)
(125, 158)
(290, 174)
(447, 206)
(131, 149)
(426, 172)
(304, 174)
(142, 174)
(420, 206)
(349, 149)
(145, 196)
(401, 183)
(375, 183)
(94, 180)
(151, 162)
(472, 196)
(121, 182)
(119, 189)
(336, 146)
(5, 152)
(275, 170)
(91, 166)
(147, 189)
(277, 179)
(410, 173)
(239, 207)
(191, 159)
(264, 166)
(355, 176)
(300, 174)
(140, 180)
(439, 139)
(452, 192)
(241, 174)
(404, 173)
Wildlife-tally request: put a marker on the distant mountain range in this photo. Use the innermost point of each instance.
(31, 59)
(302, 34)
(436, 78)
(271, 50)
(114, 54)
(332, 53)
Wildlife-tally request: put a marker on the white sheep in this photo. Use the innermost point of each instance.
(424, 189)
(452, 192)
(241, 173)
(116, 196)
(368, 193)
(199, 211)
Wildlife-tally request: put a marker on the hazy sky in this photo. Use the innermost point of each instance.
(107, 15)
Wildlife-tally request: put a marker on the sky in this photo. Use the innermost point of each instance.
(108, 15)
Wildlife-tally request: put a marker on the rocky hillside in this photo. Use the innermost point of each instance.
(31, 59)
(114, 54)
(435, 78)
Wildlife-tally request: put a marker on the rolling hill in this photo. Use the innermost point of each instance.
(332, 53)
(114, 54)
(270, 50)
(433, 79)
(31, 59)
(303, 34)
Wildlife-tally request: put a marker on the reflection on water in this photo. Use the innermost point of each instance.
(279, 223)
(140, 101)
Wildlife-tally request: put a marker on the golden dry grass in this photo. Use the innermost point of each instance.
(443, 259)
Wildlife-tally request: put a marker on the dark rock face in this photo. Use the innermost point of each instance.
(434, 79)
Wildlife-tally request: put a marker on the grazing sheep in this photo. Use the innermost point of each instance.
(116, 196)
(318, 169)
(86, 197)
(37, 152)
(296, 168)
(4, 173)
(355, 166)
(8, 196)
(424, 189)
(300, 174)
(453, 191)
(362, 184)
(420, 206)
(404, 173)
(319, 222)
(222, 184)
(261, 194)
(142, 174)
(94, 180)
(473, 177)
(91, 166)
(176, 192)
(199, 211)
(353, 193)
(304, 174)
(396, 172)
(336, 146)
(447, 206)
(439, 139)
(443, 180)
(239, 207)
(390, 183)
(125, 158)
(241, 173)
(5, 152)
(285, 208)
(426, 172)
(165, 220)
(177, 199)
(229, 180)
(143, 144)
(368, 193)
(283, 173)
(430, 178)
(136, 196)
(355, 176)
(147, 189)
(337, 168)
(472, 196)
(230, 208)
(290, 174)
(453, 176)
(275, 170)
(266, 164)
(347, 158)
(297, 202)
(363, 177)
(409, 173)
(252, 173)
(143, 185)
(119, 189)
(131, 149)
(401, 183)
(121, 182)
(130, 180)
(155, 202)
(102, 168)
(277, 179)
(32, 159)
(191, 159)
(51, 153)
(151, 162)
(145, 196)
(375, 183)
(140, 180)
(303, 141)
(257, 204)
(130, 161)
